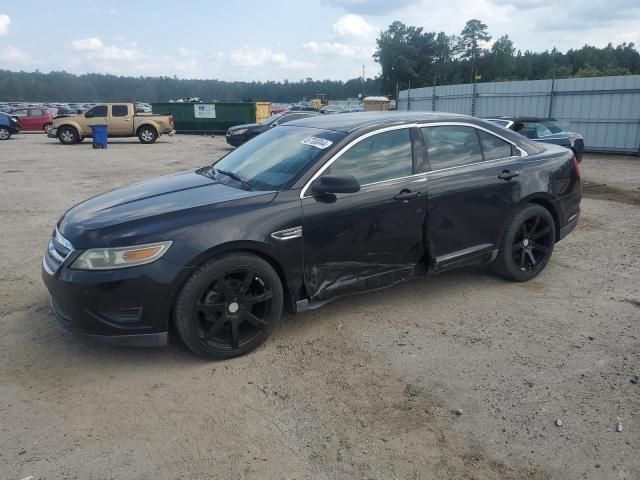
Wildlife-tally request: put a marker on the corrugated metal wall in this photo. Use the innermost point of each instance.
(605, 110)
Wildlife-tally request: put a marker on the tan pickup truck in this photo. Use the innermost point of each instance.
(121, 119)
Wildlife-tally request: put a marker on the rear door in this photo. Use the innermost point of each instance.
(121, 123)
(97, 115)
(372, 238)
(37, 118)
(473, 187)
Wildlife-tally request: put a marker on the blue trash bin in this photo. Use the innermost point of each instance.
(100, 134)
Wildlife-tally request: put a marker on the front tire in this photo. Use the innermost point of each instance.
(527, 243)
(147, 134)
(5, 133)
(229, 306)
(68, 135)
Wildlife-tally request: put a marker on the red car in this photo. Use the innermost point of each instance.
(34, 119)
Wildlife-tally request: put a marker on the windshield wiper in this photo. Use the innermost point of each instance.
(236, 177)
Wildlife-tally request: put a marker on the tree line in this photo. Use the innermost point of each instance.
(411, 56)
(408, 56)
(93, 87)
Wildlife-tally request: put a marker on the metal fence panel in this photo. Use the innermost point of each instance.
(605, 110)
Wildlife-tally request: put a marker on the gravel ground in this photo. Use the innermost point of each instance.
(461, 375)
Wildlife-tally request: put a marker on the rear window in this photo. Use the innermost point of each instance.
(451, 146)
(493, 147)
(119, 111)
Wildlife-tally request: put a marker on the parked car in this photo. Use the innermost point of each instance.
(239, 134)
(78, 107)
(302, 214)
(8, 125)
(121, 119)
(546, 130)
(34, 119)
(61, 110)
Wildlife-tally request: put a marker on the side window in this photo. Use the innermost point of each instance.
(494, 147)
(19, 113)
(35, 112)
(451, 146)
(119, 111)
(284, 119)
(99, 111)
(384, 156)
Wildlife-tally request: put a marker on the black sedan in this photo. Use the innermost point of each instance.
(305, 213)
(545, 130)
(239, 134)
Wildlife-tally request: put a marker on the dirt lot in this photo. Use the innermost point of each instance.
(365, 388)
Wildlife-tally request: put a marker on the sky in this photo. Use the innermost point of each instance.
(277, 39)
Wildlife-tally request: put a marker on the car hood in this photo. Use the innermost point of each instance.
(162, 198)
(246, 125)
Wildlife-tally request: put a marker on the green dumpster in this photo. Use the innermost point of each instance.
(208, 117)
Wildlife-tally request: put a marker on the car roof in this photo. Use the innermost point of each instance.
(349, 122)
(521, 119)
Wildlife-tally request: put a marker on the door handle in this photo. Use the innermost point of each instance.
(406, 195)
(127, 119)
(507, 175)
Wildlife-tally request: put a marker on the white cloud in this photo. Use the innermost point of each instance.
(255, 57)
(13, 55)
(96, 50)
(351, 25)
(5, 21)
(116, 53)
(339, 49)
(88, 44)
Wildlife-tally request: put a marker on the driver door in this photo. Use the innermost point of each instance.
(371, 238)
(98, 115)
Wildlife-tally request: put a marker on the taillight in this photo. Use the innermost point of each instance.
(171, 123)
(576, 165)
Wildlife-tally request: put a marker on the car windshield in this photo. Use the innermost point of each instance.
(271, 119)
(547, 128)
(275, 159)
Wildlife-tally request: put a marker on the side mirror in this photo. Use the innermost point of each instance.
(274, 124)
(335, 184)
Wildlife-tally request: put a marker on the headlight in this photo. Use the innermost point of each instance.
(120, 257)
(238, 132)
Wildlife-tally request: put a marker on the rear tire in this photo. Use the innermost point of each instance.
(527, 243)
(47, 128)
(5, 133)
(229, 306)
(147, 134)
(68, 135)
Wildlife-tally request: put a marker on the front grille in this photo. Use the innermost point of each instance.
(57, 252)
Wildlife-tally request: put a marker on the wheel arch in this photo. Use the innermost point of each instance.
(252, 247)
(73, 125)
(148, 124)
(546, 202)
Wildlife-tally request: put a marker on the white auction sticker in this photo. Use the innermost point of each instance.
(317, 142)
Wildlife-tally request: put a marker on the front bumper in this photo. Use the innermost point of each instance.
(53, 133)
(130, 306)
(235, 140)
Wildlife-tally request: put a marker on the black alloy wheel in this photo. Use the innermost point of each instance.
(532, 243)
(527, 243)
(229, 306)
